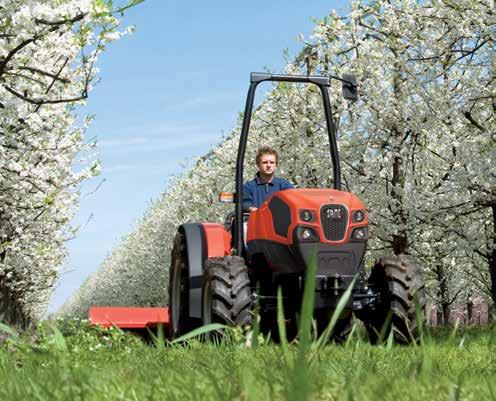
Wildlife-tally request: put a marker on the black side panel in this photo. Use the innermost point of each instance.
(196, 251)
(342, 259)
(279, 257)
(281, 216)
(333, 259)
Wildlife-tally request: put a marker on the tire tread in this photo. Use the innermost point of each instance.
(231, 292)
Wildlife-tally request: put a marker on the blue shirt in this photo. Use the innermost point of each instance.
(255, 192)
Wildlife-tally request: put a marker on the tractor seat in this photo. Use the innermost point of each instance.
(229, 224)
(229, 221)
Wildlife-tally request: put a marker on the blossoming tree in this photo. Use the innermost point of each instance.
(418, 147)
(48, 51)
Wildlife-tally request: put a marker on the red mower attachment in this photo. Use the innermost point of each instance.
(129, 318)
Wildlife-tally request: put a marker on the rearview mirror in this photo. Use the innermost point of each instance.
(350, 87)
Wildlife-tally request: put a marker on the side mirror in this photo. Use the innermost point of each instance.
(350, 87)
(226, 197)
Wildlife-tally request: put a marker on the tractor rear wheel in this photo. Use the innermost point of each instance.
(400, 285)
(226, 292)
(180, 322)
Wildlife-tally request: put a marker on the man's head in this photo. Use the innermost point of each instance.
(266, 160)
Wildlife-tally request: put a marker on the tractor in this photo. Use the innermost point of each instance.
(217, 274)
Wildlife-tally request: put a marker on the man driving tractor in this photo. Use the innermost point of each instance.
(256, 191)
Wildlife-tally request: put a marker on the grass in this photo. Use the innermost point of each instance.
(72, 360)
(90, 365)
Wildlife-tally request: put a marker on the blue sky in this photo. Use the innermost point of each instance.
(167, 93)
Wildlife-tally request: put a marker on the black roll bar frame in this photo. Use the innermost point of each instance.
(255, 79)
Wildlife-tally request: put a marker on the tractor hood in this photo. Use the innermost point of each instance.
(327, 211)
(315, 198)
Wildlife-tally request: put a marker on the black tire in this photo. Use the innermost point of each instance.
(400, 284)
(341, 329)
(179, 320)
(226, 292)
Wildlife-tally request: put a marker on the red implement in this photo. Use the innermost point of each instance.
(128, 317)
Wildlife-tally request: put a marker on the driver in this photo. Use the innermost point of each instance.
(256, 191)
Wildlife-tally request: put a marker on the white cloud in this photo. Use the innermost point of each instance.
(123, 142)
(206, 100)
(150, 167)
(161, 138)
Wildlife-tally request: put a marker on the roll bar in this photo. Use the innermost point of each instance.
(349, 91)
(261, 76)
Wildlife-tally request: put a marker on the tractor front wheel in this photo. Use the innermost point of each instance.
(226, 292)
(180, 322)
(342, 328)
(401, 308)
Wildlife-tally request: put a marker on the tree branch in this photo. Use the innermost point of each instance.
(46, 73)
(470, 118)
(77, 18)
(54, 25)
(13, 52)
(45, 101)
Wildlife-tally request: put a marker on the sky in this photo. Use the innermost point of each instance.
(166, 94)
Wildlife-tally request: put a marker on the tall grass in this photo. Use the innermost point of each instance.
(93, 364)
(76, 361)
(308, 347)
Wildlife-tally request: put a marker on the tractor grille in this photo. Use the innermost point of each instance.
(334, 219)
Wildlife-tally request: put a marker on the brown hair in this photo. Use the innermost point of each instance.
(266, 150)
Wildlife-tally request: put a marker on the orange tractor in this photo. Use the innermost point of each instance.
(216, 274)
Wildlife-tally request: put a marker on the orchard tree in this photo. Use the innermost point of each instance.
(407, 146)
(48, 51)
(464, 66)
(427, 79)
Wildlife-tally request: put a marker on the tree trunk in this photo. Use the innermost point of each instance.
(492, 260)
(439, 316)
(470, 311)
(446, 314)
(11, 312)
(400, 240)
(400, 218)
(443, 293)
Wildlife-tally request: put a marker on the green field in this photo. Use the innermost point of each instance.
(86, 363)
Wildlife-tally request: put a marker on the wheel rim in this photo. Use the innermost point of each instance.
(176, 296)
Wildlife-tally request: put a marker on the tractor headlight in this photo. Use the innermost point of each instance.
(306, 215)
(306, 234)
(358, 216)
(360, 233)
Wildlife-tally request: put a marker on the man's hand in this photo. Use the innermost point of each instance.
(252, 209)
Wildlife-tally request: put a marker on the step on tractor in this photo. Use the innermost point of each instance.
(217, 275)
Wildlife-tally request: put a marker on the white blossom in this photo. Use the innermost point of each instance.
(418, 147)
(44, 67)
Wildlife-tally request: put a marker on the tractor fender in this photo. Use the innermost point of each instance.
(218, 240)
(196, 252)
(202, 241)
